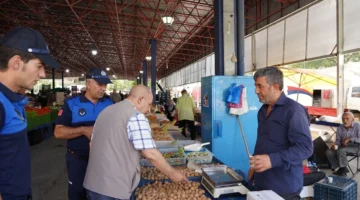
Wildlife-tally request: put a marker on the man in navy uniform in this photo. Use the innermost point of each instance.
(23, 56)
(75, 124)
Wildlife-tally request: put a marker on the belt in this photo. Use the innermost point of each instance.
(84, 158)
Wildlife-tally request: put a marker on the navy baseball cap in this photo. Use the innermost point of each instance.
(99, 75)
(29, 40)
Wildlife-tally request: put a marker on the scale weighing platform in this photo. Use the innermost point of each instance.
(221, 179)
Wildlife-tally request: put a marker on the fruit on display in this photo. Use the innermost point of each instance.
(38, 111)
(171, 191)
(152, 173)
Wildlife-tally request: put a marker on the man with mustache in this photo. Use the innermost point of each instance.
(347, 139)
(283, 139)
(75, 123)
(23, 57)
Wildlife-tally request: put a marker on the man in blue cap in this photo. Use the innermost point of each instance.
(75, 123)
(23, 57)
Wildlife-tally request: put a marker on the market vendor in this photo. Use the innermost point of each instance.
(24, 55)
(121, 133)
(283, 138)
(75, 124)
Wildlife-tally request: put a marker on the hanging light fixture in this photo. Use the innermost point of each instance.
(82, 74)
(107, 69)
(137, 77)
(114, 76)
(141, 72)
(167, 64)
(148, 58)
(168, 20)
(67, 70)
(94, 52)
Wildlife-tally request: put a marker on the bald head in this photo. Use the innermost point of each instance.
(141, 97)
(139, 90)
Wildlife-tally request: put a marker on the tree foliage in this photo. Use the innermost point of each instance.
(326, 62)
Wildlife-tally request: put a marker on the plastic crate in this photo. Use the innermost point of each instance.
(199, 157)
(168, 147)
(164, 142)
(340, 189)
(188, 142)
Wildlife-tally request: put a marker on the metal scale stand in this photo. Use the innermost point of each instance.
(222, 180)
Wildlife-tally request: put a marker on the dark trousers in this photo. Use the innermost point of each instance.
(96, 196)
(76, 167)
(291, 197)
(17, 198)
(191, 126)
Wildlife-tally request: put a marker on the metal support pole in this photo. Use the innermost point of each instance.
(140, 78)
(340, 56)
(240, 36)
(145, 74)
(62, 80)
(219, 38)
(53, 78)
(153, 68)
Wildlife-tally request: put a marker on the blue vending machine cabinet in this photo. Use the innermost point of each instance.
(222, 129)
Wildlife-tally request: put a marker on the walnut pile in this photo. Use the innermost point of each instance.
(151, 173)
(171, 191)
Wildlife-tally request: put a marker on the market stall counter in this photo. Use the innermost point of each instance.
(150, 178)
(169, 141)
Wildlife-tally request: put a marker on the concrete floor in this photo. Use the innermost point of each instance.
(49, 175)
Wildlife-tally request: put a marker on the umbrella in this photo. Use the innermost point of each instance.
(305, 79)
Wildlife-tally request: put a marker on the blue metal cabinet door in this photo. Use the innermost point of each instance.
(228, 144)
(206, 111)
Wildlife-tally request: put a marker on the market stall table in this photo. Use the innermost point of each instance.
(235, 196)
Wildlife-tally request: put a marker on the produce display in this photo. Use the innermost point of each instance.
(151, 173)
(152, 118)
(177, 154)
(166, 137)
(38, 116)
(200, 156)
(165, 122)
(159, 133)
(173, 158)
(171, 191)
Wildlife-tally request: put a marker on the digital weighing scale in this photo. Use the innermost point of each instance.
(221, 179)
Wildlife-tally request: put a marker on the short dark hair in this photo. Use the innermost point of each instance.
(7, 53)
(273, 75)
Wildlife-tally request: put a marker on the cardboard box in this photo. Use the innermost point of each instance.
(263, 195)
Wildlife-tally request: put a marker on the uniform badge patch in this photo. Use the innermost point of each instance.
(82, 111)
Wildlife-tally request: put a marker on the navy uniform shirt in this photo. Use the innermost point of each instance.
(79, 111)
(285, 136)
(15, 166)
